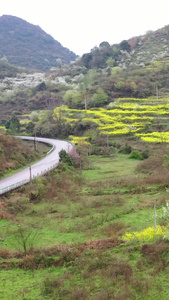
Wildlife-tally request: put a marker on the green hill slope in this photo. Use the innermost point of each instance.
(27, 45)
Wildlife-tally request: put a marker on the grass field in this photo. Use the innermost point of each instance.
(63, 238)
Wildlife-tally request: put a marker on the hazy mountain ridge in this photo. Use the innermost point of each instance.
(27, 45)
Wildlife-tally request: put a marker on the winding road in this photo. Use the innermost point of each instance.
(38, 169)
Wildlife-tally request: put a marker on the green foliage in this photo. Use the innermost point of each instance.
(98, 57)
(25, 238)
(30, 127)
(135, 154)
(116, 71)
(73, 99)
(99, 98)
(41, 86)
(8, 70)
(13, 125)
(65, 158)
(110, 62)
(104, 44)
(82, 222)
(124, 45)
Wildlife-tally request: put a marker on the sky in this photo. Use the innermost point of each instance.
(80, 25)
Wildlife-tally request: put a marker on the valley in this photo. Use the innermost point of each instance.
(96, 227)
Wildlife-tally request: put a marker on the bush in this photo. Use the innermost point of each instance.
(145, 153)
(135, 154)
(65, 158)
(75, 158)
(50, 285)
(146, 234)
(125, 149)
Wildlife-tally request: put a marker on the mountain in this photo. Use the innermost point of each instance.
(148, 48)
(138, 51)
(137, 68)
(26, 45)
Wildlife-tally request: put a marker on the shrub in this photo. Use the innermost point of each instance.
(75, 158)
(135, 154)
(147, 234)
(25, 239)
(145, 153)
(150, 164)
(50, 284)
(65, 158)
(125, 149)
(114, 229)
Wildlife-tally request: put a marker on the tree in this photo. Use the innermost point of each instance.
(88, 79)
(62, 128)
(104, 44)
(133, 87)
(13, 125)
(65, 158)
(30, 127)
(110, 62)
(25, 238)
(86, 60)
(116, 71)
(83, 148)
(99, 98)
(125, 46)
(73, 99)
(41, 86)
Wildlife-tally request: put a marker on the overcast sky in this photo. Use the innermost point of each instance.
(80, 25)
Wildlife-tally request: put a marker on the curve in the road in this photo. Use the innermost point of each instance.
(38, 169)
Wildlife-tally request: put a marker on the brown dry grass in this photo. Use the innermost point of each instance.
(62, 187)
(156, 255)
(115, 229)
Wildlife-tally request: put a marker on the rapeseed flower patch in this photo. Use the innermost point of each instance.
(126, 116)
(79, 140)
(2, 127)
(95, 121)
(131, 100)
(145, 235)
(155, 137)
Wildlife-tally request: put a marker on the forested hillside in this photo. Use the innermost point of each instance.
(27, 45)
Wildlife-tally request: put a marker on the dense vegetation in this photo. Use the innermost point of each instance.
(7, 70)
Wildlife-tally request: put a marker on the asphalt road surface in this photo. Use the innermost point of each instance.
(49, 162)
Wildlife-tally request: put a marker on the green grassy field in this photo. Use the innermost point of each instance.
(63, 239)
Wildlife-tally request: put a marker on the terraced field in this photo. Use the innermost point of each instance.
(101, 231)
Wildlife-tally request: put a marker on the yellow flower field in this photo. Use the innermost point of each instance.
(125, 116)
(145, 235)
